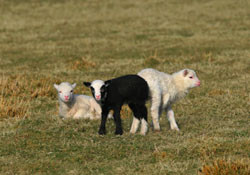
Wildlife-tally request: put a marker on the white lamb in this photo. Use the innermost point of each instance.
(166, 89)
(76, 106)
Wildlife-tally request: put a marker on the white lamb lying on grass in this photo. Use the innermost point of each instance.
(165, 90)
(76, 106)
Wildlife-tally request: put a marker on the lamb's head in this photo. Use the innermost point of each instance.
(187, 78)
(98, 89)
(65, 91)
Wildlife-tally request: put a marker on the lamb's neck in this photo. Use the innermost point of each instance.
(67, 105)
(180, 90)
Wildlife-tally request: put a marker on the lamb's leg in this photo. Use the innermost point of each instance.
(102, 129)
(117, 119)
(136, 121)
(83, 112)
(140, 114)
(156, 110)
(110, 115)
(144, 123)
(134, 125)
(79, 114)
(171, 119)
(96, 109)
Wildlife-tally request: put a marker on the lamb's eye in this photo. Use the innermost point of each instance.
(71, 91)
(60, 91)
(191, 77)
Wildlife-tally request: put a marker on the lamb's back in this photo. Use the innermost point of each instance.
(157, 81)
(128, 88)
(82, 101)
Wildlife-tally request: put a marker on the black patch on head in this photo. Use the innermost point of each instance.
(104, 92)
(93, 91)
(87, 84)
(103, 88)
(107, 83)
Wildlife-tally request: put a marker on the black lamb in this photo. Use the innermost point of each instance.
(112, 94)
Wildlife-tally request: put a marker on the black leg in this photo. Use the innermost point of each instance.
(135, 110)
(144, 112)
(118, 122)
(102, 129)
(144, 123)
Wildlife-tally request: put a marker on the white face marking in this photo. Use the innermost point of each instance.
(65, 91)
(96, 89)
(191, 80)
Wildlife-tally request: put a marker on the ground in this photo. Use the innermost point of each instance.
(50, 41)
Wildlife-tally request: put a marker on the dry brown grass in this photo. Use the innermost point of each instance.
(224, 167)
(160, 155)
(13, 107)
(43, 87)
(153, 60)
(18, 91)
(82, 63)
(126, 112)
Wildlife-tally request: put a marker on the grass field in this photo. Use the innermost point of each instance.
(50, 41)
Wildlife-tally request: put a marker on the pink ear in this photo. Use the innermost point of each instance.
(185, 72)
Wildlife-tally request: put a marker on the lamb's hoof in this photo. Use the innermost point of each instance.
(118, 132)
(102, 132)
(110, 116)
(143, 133)
(157, 130)
(175, 129)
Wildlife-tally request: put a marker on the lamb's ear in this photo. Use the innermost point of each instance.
(185, 72)
(107, 83)
(56, 86)
(87, 84)
(73, 85)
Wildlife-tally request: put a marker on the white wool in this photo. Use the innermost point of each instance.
(166, 89)
(78, 106)
(135, 125)
(144, 127)
(100, 91)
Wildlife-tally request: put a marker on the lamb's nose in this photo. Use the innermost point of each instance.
(66, 97)
(98, 97)
(198, 83)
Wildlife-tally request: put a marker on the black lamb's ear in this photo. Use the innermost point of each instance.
(87, 84)
(107, 83)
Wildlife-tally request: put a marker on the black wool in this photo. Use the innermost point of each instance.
(129, 89)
